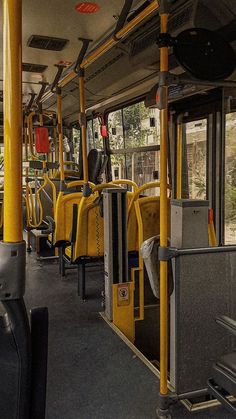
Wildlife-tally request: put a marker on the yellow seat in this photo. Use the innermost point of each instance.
(64, 216)
(88, 244)
(143, 223)
(90, 229)
(149, 209)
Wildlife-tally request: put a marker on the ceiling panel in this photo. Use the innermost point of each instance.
(58, 18)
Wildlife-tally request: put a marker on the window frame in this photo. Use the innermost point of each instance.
(127, 150)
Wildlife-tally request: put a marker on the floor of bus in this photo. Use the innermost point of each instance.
(92, 373)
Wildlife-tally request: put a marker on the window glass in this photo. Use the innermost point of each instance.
(142, 165)
(97, 138)
(196, 143)
(230, 179)
(118, 164)
(115, 130)
(135, 127)
(90, 141)
(76, 140)
(141, 126)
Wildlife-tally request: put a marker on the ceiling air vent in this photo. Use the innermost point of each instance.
(47, 43)
(34, 68)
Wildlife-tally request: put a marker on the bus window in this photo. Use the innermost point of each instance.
(141, 126)
(143, 167)
(134, 137)
(116, 141)
(115, 129)
(230, 179)
(97, 138)
(196, 147)
(90, 141)
(76, 140)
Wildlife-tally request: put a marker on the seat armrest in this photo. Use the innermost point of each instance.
(227, 323)
(51, 225)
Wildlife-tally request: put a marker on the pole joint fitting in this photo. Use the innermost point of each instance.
(81, 72)
(165, 40)
(12, 270)
(167, 253)
(87, 190)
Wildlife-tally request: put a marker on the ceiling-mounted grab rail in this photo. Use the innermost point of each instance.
(41, 93)
(108, 44)
(122, 17)
(30, 103)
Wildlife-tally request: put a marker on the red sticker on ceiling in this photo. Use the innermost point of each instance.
(65, 63)
(87, 7)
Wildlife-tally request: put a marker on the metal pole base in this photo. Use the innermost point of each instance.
(163, 414)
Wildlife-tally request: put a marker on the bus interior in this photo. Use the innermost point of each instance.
(118, 209)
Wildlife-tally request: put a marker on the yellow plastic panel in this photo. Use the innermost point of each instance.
(123, 309)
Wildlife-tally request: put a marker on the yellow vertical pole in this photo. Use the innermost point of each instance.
(60, 133)
(163, 220)
(12, 56)
(27, 174)
(41, 118)
(179, 158)
(56, 155)
(83, 126)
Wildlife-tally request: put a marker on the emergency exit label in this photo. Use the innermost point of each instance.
(123, 292)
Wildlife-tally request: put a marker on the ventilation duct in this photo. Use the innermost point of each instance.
(47, 43)
(34, 68)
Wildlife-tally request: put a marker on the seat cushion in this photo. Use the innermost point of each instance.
(228, 363)
(224, 373)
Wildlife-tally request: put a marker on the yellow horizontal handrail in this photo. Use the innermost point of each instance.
(149, 185)
(75, 183)
(98, 188)
(125, 182)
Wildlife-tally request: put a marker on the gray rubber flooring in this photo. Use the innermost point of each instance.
(92, 374)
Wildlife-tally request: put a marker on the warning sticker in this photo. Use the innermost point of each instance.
(123, 292)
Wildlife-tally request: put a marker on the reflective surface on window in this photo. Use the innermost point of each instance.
(90, 142)
(141, 167)
(230, 179)
(196, 144)
(141, 126)
(76, 140)
(115, 130)
(97, 138)
(135, 127)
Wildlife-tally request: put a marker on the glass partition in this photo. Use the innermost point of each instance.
(134, 138)
(196, 149)
(230, 179)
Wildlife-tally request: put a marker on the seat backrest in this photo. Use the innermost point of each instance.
(64, 215)
(90, 229)
(148, 208)
(94, 165)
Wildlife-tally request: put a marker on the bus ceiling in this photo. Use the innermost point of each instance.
(130, 65)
